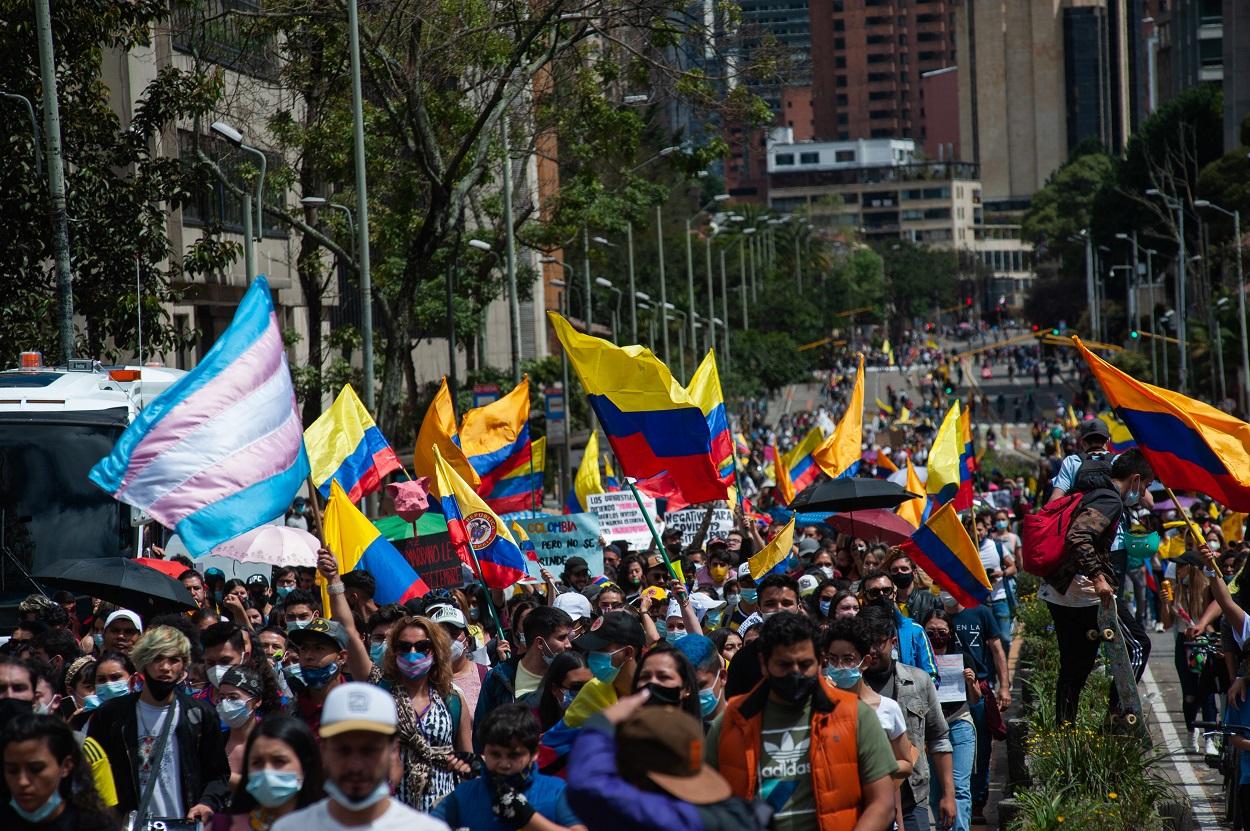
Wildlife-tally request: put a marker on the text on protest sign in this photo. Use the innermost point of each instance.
(689, 520)
(556, 538)
(621, 519)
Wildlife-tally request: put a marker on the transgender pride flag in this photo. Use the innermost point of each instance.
(222, 450)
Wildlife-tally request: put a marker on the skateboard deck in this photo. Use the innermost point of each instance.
(1115, 651)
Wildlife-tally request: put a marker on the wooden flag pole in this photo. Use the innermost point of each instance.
(1192, 527)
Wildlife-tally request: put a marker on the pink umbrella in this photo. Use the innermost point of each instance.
(275, 545)
(873, 524)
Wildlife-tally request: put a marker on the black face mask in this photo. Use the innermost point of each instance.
(794, 687)
(160, 689)
(10, 708)
(902, 580)
(668, 696)
(886, 603)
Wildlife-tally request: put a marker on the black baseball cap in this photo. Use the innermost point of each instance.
(1094, 427)
(258, 580)
(319, 629)
(614, 627)
(575, 565)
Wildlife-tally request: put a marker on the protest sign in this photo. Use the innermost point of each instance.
(621, 519)
(950, 686)
(689, 520)
(434, 558)
(556, 538)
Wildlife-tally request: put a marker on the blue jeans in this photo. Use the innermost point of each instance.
(963, 736)
(1002, 612)
(984, 743)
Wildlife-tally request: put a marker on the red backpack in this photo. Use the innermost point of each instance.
(1043, 535)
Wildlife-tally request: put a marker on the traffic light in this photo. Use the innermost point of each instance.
(967, 301)
(1055, 331)
(1035, 327)
(1134, 334)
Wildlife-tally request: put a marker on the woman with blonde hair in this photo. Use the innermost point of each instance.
(416, 670)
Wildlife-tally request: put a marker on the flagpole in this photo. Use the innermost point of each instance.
(1189, 523)
(490, 605)
(655, 535)
(314, 497)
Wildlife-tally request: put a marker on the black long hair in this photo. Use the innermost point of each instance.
(689, 681)
(295, 734)
(549, 711)
(78, 789)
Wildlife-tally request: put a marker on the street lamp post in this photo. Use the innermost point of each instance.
(616, 310)
(681, 336)
(633, 303)
(1182, 273)
(724, 306)
(1241, 300)
(742, 272)
(233, 136)
(711, 295)
(586, 276)
(720, 197)
(514, 300)
(362, 207)
(659, 233)
(642, 300)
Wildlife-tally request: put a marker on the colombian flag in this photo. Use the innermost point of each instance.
(481, 538)
(1121, 438)
(651, 421)
(438, 432)
(587, 479)
(1191, 445)
(609, 475)
(705, 391)
(967, 460)
(800, 461)
(840, 456)
(773, 554)
(357, 543)
(496, 440)
(781, 475)
(345, 445)
(945, 465)
(944, 550)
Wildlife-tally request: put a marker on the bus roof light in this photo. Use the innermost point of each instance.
(30, 360)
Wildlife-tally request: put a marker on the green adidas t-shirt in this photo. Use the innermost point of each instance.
(785, 774)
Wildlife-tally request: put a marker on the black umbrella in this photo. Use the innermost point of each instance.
(119, 580)
(851, 495)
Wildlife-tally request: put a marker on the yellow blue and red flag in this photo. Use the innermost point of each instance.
(944, 550)
(357, 543)
(438, 431)
(967, 460)
(1121, 438)
(652, 423)
(587, 479)
(481, 538)
(1189, 444)
(781, 476)
(524, 541)
(841, 455)
(772, 555)
(704, 390)
(345, 445)
(496, 441)
(801, 462)
(945, 464)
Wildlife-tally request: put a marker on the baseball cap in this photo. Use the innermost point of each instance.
(319, 629)
(449, 615)
(807, 545)
(124, 614)
(656, 561)
(357, 706)
(614, 627)
(807, 585)
(258, 580)
(1094, 427)
(575, 604)
(575, 565)
(214, 572)
(665, 745)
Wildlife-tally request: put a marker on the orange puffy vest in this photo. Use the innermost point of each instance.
(833, 753)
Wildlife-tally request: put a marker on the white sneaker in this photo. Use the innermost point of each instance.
(1211, 748)
(1158, 626)
(1197, 739)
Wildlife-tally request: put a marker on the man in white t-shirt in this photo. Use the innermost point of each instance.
(357, 747)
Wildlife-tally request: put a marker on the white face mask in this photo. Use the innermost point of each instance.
(215, 674)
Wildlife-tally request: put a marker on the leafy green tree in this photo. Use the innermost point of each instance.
(918, 279)
(118, 188)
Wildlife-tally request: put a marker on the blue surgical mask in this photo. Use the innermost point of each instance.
(42, 812)
(709, 699)
(567, 698)
(112, 689)
(1000, 525)
(825, 605)
(377, 651)
(283, 591)
(748, 595)
(318, 677)
(272, 788)
(90, 702)
(382, 791)
(600, 665)
(1132, 498)
(98, 640)
(731, 600)
(234, 713)
(674, 635)
(843, 677)
(661, 628)
(291, 625)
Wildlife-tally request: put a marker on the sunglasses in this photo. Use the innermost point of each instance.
(403, 647)
(888, 592)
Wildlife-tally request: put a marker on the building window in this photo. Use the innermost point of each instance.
(809, 158)
(210, 32)
(841, 99)
(839, 26)
(884, 95)
(937, 213)
(881, 113)
(210, 204)
(839, 81)
(840, 43)
(844, 156)
(879, 57)
(843, 119)
(783, 159)
(840, 62)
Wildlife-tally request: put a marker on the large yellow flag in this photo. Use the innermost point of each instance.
(841, 454)
(439, 430)
(913, 509)
(781, 475)
(943, 463)
(773, 554)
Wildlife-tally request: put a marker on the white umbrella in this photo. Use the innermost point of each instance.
(275, 545)
(899, 477)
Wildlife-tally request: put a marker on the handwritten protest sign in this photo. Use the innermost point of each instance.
(556, 538)
(950, 678)
(689, 520)
(435, 559)
(620, 517)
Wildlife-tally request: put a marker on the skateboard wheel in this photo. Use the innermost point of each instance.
(1108, 634)
(1092, 634)
(1130, 719)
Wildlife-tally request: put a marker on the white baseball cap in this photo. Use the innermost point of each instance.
(574, 604)
(357, 706)
(124, 614)
(449, 614)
